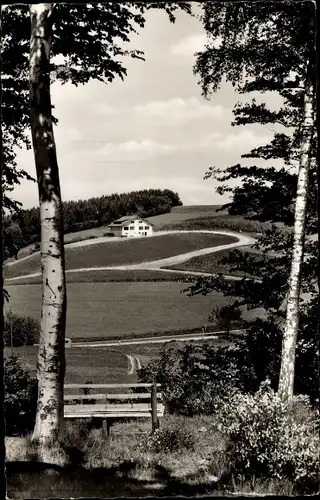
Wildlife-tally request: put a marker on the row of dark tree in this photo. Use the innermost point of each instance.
(23, 228)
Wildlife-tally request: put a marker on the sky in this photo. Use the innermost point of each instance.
(152, 130)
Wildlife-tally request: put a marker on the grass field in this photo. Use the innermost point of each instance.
(104, 309)
(177, 214)
(103, 365)
(146, 352)
(115, 275)
(211, 263)
(131, 251)
(180, 214)
(219, 222)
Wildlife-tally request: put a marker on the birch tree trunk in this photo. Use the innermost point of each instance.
(286, 379)
(51, 355)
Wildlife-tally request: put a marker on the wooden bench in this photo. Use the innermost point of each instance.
(109, 405)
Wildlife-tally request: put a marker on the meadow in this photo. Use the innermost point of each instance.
(119, 309)
(177, 214)
(97, 365)
(132, 251)
(109, 275)
(211, 263)
(219, 221)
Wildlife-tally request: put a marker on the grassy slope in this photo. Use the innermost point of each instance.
(107, 276)
(103, 365)
(109, 309)
(146, 352)
(131, 251)
(211, 263)
(176, 215)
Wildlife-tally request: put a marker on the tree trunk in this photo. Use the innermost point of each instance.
(286, 379)
(51, 355)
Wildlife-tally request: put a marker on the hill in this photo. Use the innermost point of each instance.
(122, 252)
(23, 229)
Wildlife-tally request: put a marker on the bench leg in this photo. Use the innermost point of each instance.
(105, 428)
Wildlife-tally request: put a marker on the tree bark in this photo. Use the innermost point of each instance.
(286, 379)
(51, 354)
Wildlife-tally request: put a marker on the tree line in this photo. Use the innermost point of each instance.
(22, 228)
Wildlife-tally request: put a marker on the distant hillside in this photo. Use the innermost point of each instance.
(182, 213)
(24, 228)
(124, 252)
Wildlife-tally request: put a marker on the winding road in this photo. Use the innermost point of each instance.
(156, 265)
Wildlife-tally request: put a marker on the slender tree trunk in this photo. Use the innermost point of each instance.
(51, 355)
(286, 379)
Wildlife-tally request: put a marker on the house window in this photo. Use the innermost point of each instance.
(132, 228)
(126, 228)
(147, 227)
(140, 221)
(140, 228)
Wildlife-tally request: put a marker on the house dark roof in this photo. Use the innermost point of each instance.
(126, 219)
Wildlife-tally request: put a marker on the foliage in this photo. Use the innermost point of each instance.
(266, 441)
(173, 439)
(194, 378)
(24, 227)
(23, 330)
(197, 378)
(258, 51)
(20, 397)
(226, 317)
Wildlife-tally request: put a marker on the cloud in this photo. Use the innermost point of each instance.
(134, 150)
(68, 135)
(180, 109)
(246, 139)
(189, 45)
(105, 109)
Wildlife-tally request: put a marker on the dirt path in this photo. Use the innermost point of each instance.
(134, 364)
(157, 265)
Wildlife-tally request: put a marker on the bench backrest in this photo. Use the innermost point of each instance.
(107, 403)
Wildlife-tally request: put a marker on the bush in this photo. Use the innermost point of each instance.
(23, 330)
(20, 397)
(194, 379)
(169, 439)
(266, 441)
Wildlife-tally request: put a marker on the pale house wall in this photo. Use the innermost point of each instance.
(137, 228)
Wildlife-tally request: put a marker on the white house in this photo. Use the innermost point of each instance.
(131, 226)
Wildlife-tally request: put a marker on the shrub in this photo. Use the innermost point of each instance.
(169, 439)
(266, 441)
(20, 397)
(194, 378)
(23, 330)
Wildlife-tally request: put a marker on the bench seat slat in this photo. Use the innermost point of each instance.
(99, 407)
(111, 415)
(107, 386)
(143, 395)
